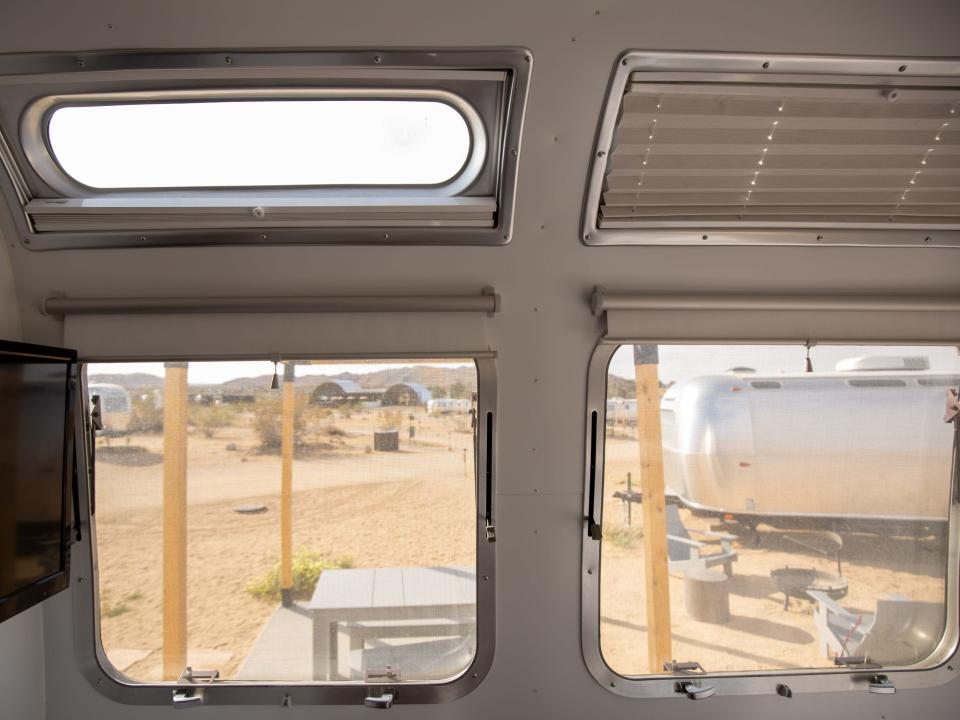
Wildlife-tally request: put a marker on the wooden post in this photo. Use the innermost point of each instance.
(287, 415)
(645, 359)
(174, 520)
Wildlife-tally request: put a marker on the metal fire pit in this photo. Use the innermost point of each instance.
(795, 582)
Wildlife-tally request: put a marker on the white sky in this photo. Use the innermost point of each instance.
(681, 362)
(264, 142)
(212, 373)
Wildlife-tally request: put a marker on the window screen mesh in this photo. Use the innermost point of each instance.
(765, 154)
(806, 515)
(370, 575)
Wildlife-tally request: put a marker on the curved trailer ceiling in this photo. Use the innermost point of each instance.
(545, 333)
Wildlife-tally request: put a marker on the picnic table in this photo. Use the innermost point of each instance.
(377, 603)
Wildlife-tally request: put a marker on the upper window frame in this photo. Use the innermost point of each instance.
(939, 669)
(488, 87)
(105, 679)
(745, 68)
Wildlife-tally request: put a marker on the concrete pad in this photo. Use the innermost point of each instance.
(284, 650)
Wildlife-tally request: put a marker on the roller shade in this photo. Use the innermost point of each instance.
(777, 318)
(755, 154)
(284, 327)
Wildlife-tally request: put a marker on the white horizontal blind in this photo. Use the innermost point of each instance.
(776, 155)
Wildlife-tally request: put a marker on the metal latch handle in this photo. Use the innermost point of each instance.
(382, 701)
(695, 691)
(190, 686)
(881, 685)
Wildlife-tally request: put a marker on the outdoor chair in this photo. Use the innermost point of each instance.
(427, 660)
(685, 553)
(900, 632)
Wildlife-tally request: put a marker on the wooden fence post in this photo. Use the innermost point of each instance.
(657, 573)
(174, 520)
(287, 417)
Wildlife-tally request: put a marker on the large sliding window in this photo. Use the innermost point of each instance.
(771, 509)
(318, 526)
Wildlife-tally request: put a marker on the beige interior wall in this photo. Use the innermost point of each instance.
(546, 333)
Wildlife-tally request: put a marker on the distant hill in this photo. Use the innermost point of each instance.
(621, 387)
(428, 376)
(132, 381)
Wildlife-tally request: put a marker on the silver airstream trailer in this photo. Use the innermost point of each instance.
(115, 407)
(448, 406)
(779, 447)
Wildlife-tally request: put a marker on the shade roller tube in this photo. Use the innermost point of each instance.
(61, 306)
(777, 318)
(299, 327)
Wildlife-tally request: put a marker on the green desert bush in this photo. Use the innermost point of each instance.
(307, 567)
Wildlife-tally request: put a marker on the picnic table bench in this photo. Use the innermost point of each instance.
(377, 603)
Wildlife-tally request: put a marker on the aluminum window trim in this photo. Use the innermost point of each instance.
(35, 140)
(112, 684)
(495, 80)
(940, 668)
(740, 67)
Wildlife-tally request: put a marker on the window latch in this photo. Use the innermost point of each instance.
(690, 688)
(382, 701)
(694, 690)
(855, 662)
(953, 406)
(881, 685)
(684, 668)
(96, 413)
(191, 685)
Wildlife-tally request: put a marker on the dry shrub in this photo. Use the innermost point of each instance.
(145, 415)
(267, 421)
(392, 419)
(208, 419)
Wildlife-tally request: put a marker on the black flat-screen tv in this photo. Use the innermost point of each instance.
(36, 473)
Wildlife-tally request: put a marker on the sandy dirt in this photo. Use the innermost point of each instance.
(416, 507)
(761, 634)
(371, 508)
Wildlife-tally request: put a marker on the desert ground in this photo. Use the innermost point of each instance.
(350, 505)
(761, 634)
(362, 508)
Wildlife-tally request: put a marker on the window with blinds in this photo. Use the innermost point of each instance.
(694, 151)
(785, 154)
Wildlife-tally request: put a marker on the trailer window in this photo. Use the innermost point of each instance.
(778, 515)
(259, 143)
(317, 526)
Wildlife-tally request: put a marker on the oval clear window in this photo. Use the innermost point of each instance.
(260, 143)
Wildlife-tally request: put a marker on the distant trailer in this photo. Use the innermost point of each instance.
(115, 407)
(448, 406)
(860, 443)
(621, 411)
